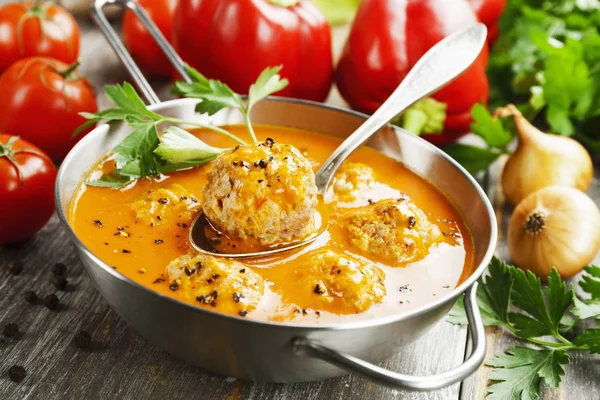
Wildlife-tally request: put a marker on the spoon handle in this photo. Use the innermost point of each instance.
(439, 66)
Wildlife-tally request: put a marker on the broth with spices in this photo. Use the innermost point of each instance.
(394, 243)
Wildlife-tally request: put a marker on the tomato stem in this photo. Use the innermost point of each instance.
(7, 151)
(66, 73)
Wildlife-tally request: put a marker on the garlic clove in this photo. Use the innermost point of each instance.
(557, 226)
(542, 160)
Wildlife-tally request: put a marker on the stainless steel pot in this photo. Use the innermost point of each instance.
(286, 352)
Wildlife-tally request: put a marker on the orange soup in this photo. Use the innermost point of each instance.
(394, 241)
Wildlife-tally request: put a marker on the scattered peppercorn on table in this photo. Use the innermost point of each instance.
(61, 340)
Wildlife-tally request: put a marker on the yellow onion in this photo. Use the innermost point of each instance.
(542, 160)
(557, 226)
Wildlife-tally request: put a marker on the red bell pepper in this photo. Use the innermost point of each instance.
(489, 12)
(235, 40)
(387, 39)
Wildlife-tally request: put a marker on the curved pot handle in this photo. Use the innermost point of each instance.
(400, 381)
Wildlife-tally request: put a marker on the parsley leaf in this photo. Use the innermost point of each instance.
(591, 283)
(490, 129)
(527, 294)
(177, 146)
(474, 159)
(216, 95)
(269, 81)
(111, 181)
(591, 339)
(519, 372)
(493, 297)
(586, 309)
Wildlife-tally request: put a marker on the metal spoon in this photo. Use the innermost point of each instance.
(439, 66)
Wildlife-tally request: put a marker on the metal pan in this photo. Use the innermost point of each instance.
(271, 351)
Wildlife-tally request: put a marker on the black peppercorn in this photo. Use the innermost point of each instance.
(15, 268)
(10, 330)
(16, 373)
(51, 302)
(243, 313)
(60, 282)
(59, 269)
(83, 340)
(30, 297)
(173, 286)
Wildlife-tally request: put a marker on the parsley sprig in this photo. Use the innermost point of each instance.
(146, 153)
(495, 134)
(216, 95)
(545, 316)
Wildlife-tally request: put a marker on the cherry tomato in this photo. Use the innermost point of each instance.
(41, 99)
(27, 178)
(37, 29)
(139, 42)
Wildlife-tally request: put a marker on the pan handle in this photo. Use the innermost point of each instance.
(400, 381)
(119, 48)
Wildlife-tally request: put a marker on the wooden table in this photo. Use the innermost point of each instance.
(123, 365)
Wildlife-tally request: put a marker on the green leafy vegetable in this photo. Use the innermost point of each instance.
(495, 136)
(473, 158)
(144, 153)
(216, 95)
(548, 57)
(544, 316)
(591, 283)
(177, 145)
(519, 372)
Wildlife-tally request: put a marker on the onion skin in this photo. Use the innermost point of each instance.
(542, 160)
(557, 226)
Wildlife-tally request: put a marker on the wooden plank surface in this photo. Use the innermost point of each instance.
(122, 365)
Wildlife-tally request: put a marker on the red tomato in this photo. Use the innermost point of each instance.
(27, 178)
(235, 40)
(41, 101)
(37, 29)
(139, 42)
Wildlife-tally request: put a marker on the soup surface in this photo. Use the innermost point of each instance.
(367, 265)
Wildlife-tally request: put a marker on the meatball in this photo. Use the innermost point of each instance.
(335, 282)
(263, 192)
(392, 231)
(227, 285)
(166, 206)
(355, 185)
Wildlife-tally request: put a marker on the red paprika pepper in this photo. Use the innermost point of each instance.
(489, 12)
(235, 40)
(387, 39)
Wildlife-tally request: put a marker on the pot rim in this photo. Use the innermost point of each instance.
(368, 323)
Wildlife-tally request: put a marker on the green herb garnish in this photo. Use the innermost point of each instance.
(545, 316)
(495, 137)
(216, 95)
(146, 153)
